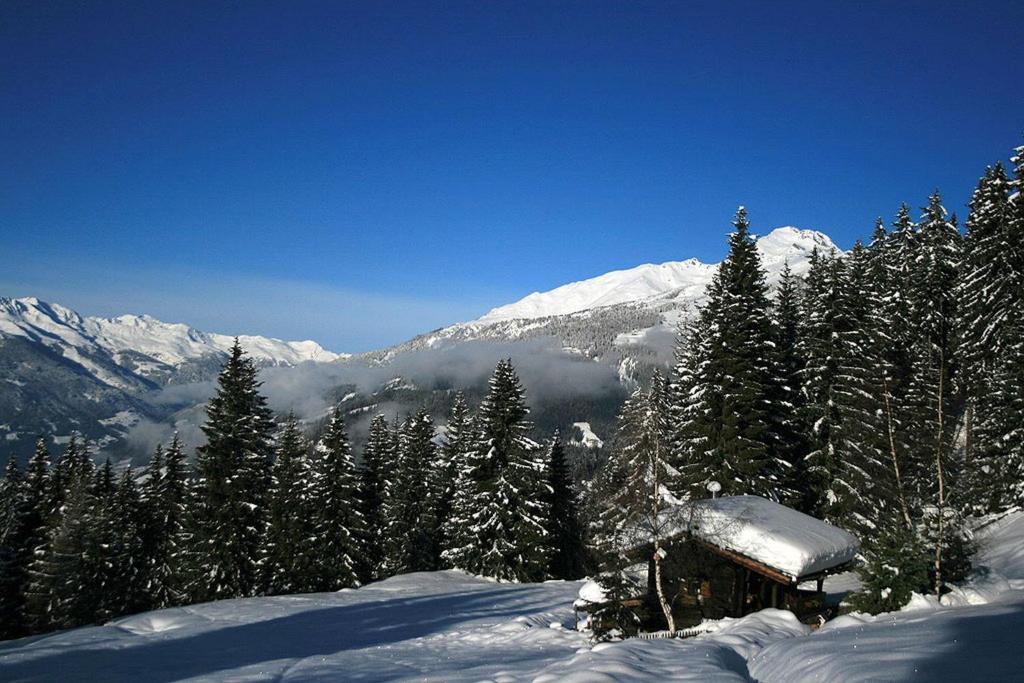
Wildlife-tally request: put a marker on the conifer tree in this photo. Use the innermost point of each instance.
(338, 525)
(166, 496)
(694, 403)
(564, 529)
(68, 575)
(287, 550)
(234, 469)
(933, 397)
(23, 533)
(13, 519)
(991, 299)
(508, 528)
(787, 427)
(731, 389)
(130, 569)
(451, 460)
(411, 544)
(375, 483)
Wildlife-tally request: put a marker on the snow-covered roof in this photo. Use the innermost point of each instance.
(769, 533)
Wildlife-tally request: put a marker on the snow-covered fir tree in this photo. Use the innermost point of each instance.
(130, 568)
(286, 549)
(166, 495)
(411, 532)
(991, 301)
(456, 491)
(375, 481)
(568, 552)
(333, 507)
(730, 388)
(508, 529)
(234, 479)
(68, 576)
(788, 428)
(24, 531)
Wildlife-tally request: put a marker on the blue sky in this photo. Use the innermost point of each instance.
(360, 172)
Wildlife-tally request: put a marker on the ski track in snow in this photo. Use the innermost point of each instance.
(448, 626)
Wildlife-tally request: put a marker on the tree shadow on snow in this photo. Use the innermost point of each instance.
(162, 657)
(982, 644)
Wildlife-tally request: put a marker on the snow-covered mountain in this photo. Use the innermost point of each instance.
(61, 372)
(142, 344)
(650, 282)
(626, 318)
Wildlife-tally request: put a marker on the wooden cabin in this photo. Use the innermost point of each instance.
(730, 556)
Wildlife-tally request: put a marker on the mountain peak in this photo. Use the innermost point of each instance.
(652, 281)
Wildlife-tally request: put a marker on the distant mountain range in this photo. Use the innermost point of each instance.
(62, 372)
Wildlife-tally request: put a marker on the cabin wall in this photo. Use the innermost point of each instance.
(701, 584)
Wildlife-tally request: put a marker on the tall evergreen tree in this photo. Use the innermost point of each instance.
(452, 488)
(933, 395)
(566, 534)
(13, 519)
(24, 532)
(167, 540)
(68, 576)
(375, 482)
(338, 524)
(789, 431)
(287, 550)
(130, 570)
(410, 511)
(508, 530)
(730, 389)
(234, 469)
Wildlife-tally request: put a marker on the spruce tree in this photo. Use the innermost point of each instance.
(69, 576)
(411, 542)
(788, 429)
(234, 469)
(566, 534)
(168, 496)
(287, 550)
(451, 460)
(740, 359)
(508, 527)
(24, 532)
(933, 395)
(991, 299)
(375, 482)
(13, 521)
(130, 569)
(694, 403)
(333, 508)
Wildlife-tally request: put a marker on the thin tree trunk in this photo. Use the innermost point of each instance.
(895, 460)
(941, 481)
(666, 608)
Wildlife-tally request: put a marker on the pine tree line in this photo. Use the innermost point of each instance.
(265, 512)
(882, 391)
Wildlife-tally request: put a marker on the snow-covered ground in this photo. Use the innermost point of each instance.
(447, 626)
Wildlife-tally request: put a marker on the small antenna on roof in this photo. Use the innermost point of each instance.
(714, 487)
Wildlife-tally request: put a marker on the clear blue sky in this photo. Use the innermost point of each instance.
(359, 172)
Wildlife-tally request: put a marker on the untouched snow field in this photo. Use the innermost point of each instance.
(447, 626)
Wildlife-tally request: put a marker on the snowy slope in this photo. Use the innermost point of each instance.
(447, 626)
(441, 626)
(681, 279)
(171, 344)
